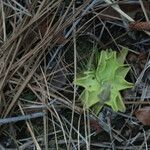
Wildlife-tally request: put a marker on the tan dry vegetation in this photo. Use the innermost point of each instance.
(39, 59)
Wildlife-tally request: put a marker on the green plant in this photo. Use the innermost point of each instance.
(103, 83)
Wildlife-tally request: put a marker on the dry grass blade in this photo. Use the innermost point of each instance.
(75, 73)
(15, 98)
(23, 55)
(3, 21)
(144, 10)
(116, 7)
(45, 119)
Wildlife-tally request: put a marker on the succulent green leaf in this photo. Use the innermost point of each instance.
(89, 98)
(104, 83)
(89, 82)
(122, 55)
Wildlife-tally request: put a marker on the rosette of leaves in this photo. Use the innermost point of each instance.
(102, 84)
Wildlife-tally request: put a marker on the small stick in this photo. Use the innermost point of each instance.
(21, 118)
(136, 102)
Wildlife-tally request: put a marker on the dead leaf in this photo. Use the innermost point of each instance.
(143, 115)
(96, 126)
